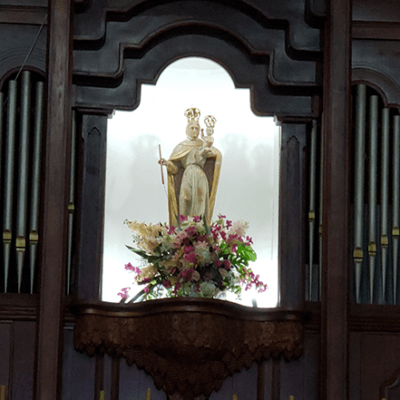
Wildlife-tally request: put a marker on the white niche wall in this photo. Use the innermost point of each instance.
(248, 185)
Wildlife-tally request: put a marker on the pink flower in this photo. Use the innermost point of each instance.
(177, 287)
(228, 224)
(166, 284)
(249, 240)
(231, 238)
(220, 216)
(124, 292)
(188, 249)
(218, 263)
(187, 274)
(227, 265)
(190, 258)
(190, 231)
(146, 289)
(196, 218)
(129, 267)
(234, 248)
(171, 230)
(223, 235)
(182, 218)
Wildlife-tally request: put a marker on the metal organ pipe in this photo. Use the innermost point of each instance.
(396, 197)
(71, 204)
(35, 184)
(321, 184)
(9, 177)
(311, 213)
(359, 185)
(384, 196)
(23, 174)
(372, 195)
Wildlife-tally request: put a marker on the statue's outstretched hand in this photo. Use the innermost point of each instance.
(163, 161)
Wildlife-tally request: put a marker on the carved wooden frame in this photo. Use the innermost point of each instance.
(188, 345)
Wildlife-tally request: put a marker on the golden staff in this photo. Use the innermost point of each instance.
(162, 174)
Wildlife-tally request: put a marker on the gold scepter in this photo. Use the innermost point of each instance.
(161, 165)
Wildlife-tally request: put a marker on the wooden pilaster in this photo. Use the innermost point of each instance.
(55, 199)
(336, 204)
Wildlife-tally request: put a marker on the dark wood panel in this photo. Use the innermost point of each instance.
(376, 62)
(376, 10)
(355, 366)
(264, 380)
(23, 359)
(5, 353)
(134, 383)
(78, 374)
(67, 362)
(380, 359)
(243, 384)
(376, 30)
(15, 306)
(16, 42)
(35, 16)
(299, 378)
(111, 377)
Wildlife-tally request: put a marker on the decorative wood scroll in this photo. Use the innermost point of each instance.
(189, 346)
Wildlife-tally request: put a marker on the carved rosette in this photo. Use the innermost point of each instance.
(188, 346)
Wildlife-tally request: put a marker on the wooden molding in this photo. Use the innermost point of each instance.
(189, 346)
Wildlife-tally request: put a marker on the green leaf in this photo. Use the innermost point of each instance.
(246, 252)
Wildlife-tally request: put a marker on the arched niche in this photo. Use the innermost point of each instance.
(248, 184)
(110, 65)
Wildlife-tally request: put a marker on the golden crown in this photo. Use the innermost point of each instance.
(192, 114)
(210, 121)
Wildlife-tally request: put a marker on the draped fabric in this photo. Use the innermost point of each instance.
(192, 180)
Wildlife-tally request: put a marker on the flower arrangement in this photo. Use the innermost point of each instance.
(192, 259)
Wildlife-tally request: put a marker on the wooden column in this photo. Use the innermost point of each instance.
(87, 278)
(53, 253)
(291, 216)
(336, 203)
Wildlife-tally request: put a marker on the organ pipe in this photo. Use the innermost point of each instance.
(1, 126)
(372, 195)
(359, 184)
(9, 177)
(23, 174)
(396, 197)
(35, 191)
(71, 205)
(384, 195)
(321, 184)
(311, 213)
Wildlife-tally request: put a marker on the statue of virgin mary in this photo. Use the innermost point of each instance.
(193, 173)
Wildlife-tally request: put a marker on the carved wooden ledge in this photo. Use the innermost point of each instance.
(189, 346)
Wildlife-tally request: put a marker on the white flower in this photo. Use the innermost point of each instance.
(208, 289)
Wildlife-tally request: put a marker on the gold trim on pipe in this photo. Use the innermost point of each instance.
(20, 243)
(3, 392)
(148, 394)
(372, 249)
(358, 254)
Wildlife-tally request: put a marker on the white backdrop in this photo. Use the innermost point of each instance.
(248, 187)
